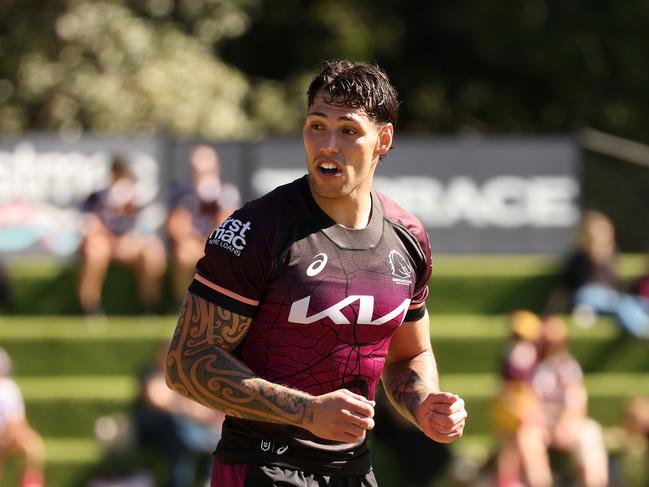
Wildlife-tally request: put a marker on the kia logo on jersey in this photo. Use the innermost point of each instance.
(300, 308)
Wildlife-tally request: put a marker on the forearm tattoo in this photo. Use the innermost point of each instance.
(201, 367)
(408, 383)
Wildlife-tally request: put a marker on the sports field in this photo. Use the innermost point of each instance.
(73, 371)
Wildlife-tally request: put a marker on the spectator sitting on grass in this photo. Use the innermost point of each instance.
(589, 284)
(558, 382)
(110, 235)
(17, 437)
(182, 431)
(516, 413)
(196, 210)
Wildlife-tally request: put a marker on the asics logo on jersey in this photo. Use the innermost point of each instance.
(230, 235)
(317, 265)
(300, 308)
(400, 268)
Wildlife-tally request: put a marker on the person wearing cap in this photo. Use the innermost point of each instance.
(17, 437)
(516, 412)
(195, 210)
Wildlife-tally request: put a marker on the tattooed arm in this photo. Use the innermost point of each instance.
(411, 381)
(200, 366)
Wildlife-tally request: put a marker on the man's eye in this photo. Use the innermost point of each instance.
(348, 131)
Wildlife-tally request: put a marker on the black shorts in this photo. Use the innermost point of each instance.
(243, 475)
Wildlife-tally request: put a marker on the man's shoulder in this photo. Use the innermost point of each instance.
(396, 214)
(287, 194)
(279, 207)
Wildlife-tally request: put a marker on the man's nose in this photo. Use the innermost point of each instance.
(329, 144)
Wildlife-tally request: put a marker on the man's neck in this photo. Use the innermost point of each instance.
(353, 211)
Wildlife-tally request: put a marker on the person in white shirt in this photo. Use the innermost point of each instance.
(17, 437)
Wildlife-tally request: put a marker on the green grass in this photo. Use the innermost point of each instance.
(72, 388)
(460, 284)
(74, 328)
(71, 450)
(73, 370)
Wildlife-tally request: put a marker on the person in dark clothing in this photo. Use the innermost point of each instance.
(183, 432)
(195, 210)
(589, 284)
(110, 234)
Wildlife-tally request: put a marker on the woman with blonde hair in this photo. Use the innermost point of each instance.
(589, 281)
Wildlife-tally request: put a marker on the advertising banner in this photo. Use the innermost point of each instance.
(500, 195)
(45, 180)
(487, 195)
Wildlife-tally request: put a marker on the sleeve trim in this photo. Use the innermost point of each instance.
(224, 291)
(415, 314)
(222, 300)
(416, 306)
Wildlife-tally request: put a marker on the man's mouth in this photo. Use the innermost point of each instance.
(329, 168)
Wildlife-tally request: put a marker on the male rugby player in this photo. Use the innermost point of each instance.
(309, 295)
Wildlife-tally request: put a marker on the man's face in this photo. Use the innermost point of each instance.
(342, 147)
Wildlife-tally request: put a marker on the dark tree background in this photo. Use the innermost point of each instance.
(237, 69)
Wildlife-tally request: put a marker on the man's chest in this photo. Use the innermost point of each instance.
(320, 282)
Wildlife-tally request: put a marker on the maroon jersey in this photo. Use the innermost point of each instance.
(325, 301)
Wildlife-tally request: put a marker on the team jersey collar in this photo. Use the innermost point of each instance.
(348, 238)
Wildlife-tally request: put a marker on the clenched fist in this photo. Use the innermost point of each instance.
(441, 416)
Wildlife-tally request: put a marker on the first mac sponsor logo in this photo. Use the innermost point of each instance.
(230, 235)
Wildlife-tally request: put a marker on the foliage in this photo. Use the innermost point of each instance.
(238, 68)
(137, 67)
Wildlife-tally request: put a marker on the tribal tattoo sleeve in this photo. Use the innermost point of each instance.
(408, 383)
(200, 366)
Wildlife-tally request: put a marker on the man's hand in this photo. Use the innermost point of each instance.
(441, 416)
(340, 415)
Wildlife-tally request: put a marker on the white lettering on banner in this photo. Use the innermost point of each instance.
(501, 201)
(506, 201)
(230, 235)
(300, 308)
(66, 178)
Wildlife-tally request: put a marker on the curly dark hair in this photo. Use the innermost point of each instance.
(356, 85)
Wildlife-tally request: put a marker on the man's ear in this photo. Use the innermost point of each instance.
(384, 142)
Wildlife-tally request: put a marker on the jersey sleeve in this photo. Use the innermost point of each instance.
(412, 233)
(237, 262)
(423, 261)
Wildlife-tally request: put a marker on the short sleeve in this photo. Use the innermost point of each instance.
(237, 262)
(417, 308)
(412, 233)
